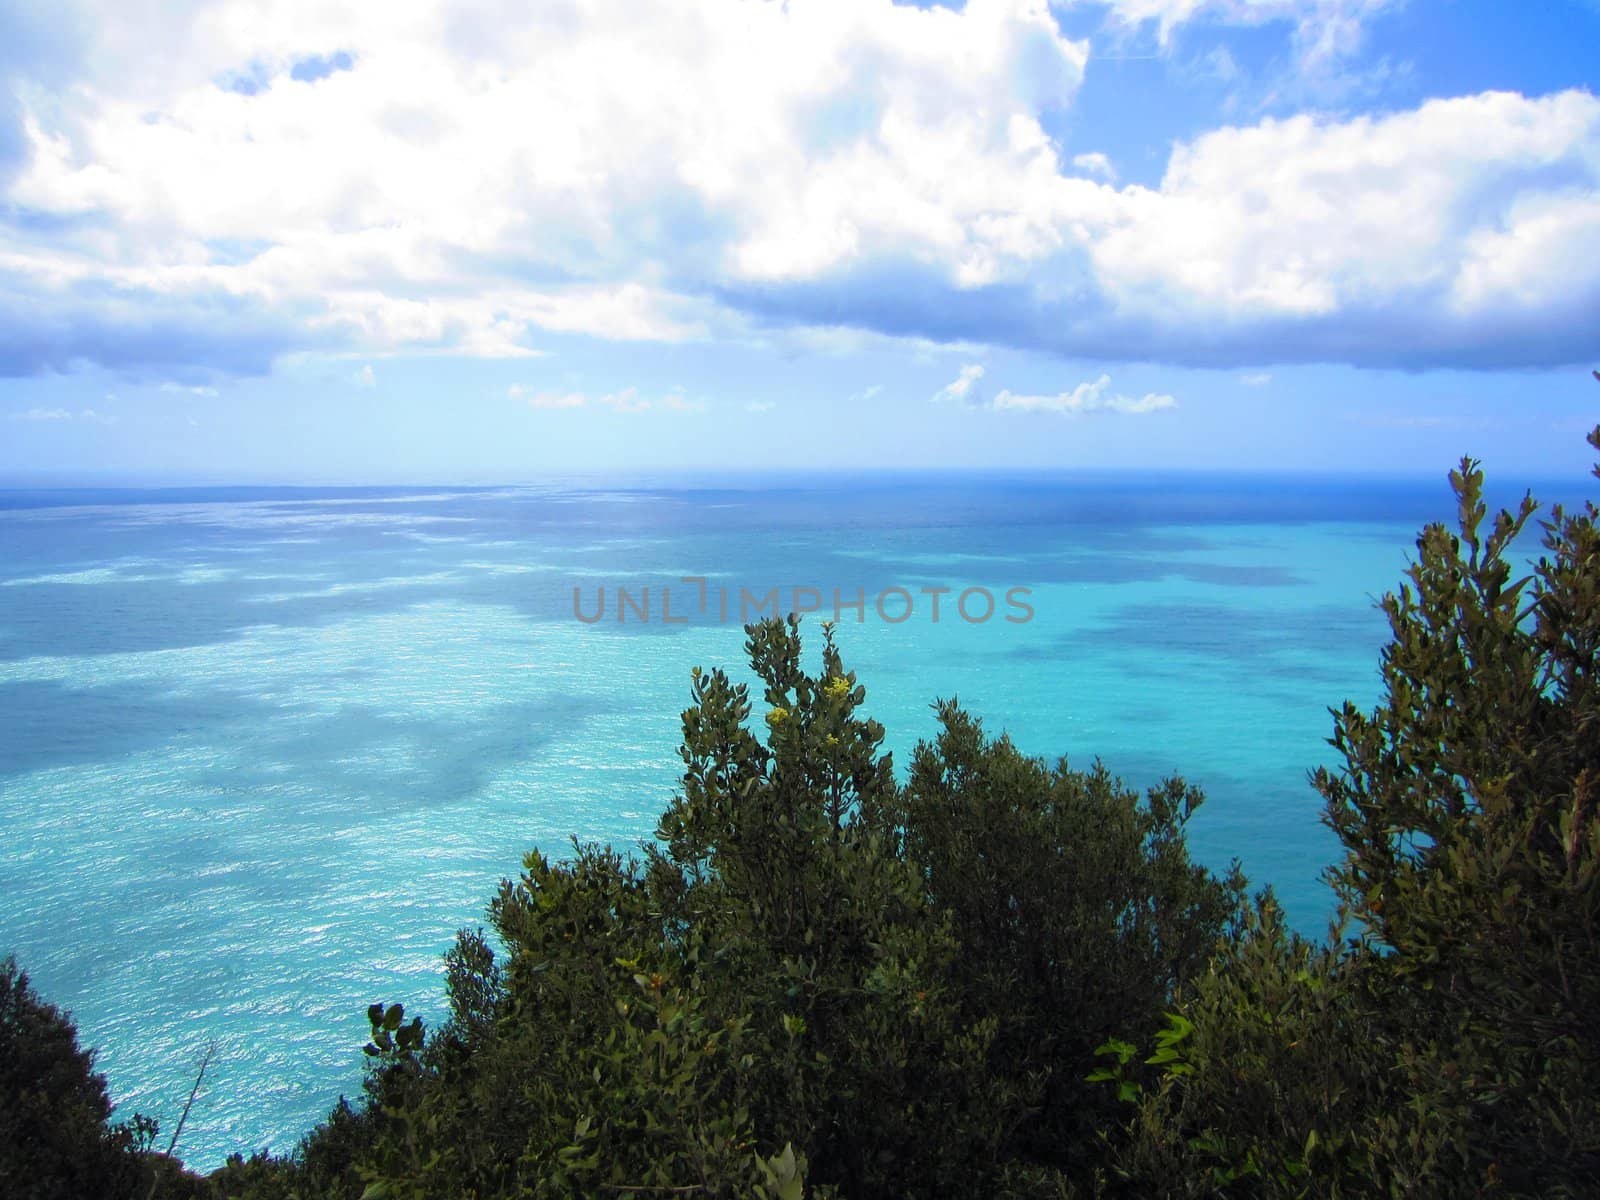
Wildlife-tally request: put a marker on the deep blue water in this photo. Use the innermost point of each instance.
(263, 750)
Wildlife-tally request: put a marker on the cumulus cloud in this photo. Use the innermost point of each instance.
(1086, 398)
(961, 388)
(1440, 236)
(417, 183)
(1445, 234)
(1090, 397)
(1083, 399)
(729, 170)
(1095, 163)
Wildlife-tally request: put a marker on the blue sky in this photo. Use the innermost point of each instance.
(466, 242)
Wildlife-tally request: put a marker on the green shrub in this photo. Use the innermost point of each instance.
(1449, 1047)
(1075, 907)
(810, 984)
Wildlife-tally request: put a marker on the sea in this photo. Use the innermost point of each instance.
(264, 750)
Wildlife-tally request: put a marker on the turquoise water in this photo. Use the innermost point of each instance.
(263, 751)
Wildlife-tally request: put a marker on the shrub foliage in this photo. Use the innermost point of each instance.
(1444, 1043)
(817, 981)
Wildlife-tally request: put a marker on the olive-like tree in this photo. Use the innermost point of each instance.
(1444, 1042)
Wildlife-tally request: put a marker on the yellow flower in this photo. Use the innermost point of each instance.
(777, 717)
(836, 688)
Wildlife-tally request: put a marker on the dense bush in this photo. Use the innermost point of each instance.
(1449, 1046)
(1074, 906)
(818, 981)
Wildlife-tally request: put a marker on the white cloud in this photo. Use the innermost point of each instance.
(1095, 163)
(366, 377)
(182, 389)
(1083, 399)
(590, 171)
(657, 121)
(1086, 398)
(847, 171)
(1256, 379)
(1325, 31)
(1440, 231)
(961, 387)
(759, 406)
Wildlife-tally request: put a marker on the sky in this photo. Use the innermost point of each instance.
(487, 241)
